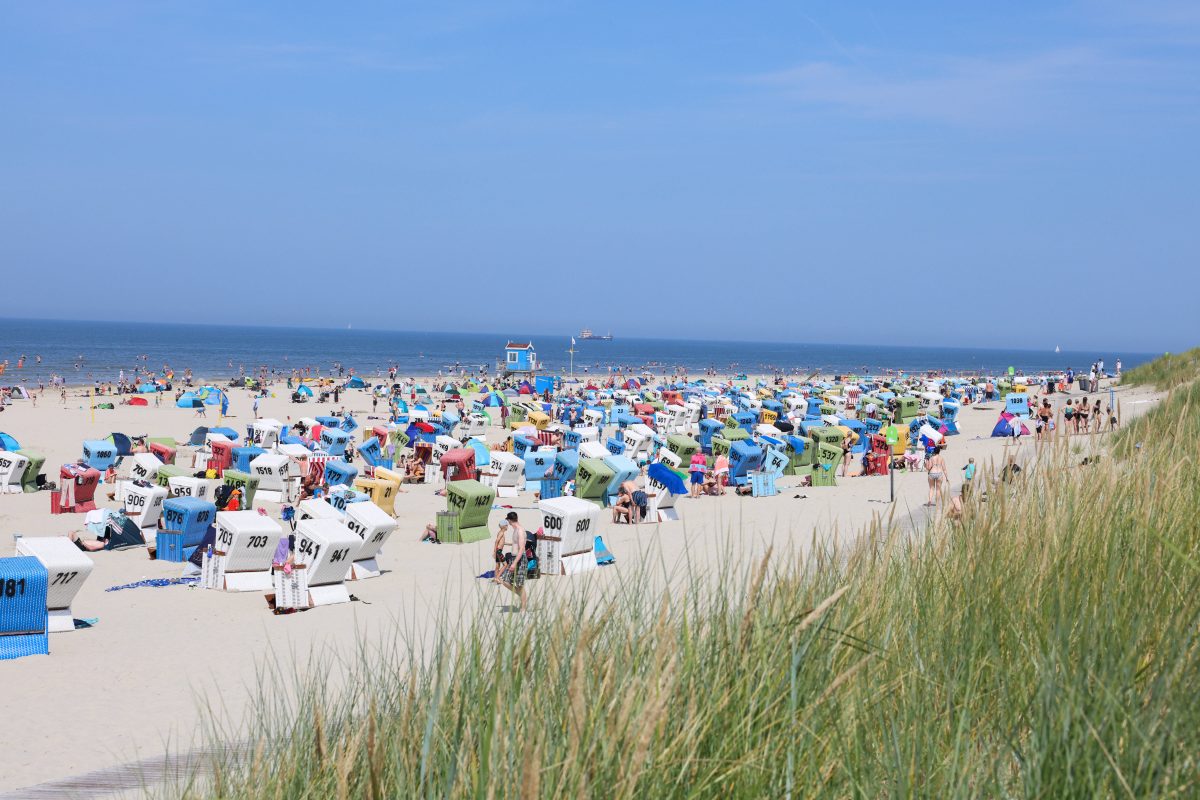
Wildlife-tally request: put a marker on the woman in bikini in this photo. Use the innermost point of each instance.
(1044, 415)
(936, 466)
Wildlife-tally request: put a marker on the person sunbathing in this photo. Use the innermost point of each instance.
(89, 545)
(414, 471)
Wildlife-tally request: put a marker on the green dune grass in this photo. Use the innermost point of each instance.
(1045, 646)
(1166, 372)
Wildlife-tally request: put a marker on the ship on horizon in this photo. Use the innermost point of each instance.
(586, 333)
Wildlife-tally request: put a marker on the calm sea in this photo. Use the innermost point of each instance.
(83, 351)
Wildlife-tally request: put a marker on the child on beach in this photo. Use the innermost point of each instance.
(502, 551)
(968, 477)
(696, 469)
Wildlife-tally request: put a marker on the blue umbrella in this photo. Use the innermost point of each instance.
(667, 477)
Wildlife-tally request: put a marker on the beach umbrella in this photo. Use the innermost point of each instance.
(667, 477)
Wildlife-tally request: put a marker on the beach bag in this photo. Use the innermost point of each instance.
(532, 569)
(221, 498)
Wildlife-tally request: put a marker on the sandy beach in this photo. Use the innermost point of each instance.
(142, 679)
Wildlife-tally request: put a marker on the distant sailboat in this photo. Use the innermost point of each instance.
(1057, 349)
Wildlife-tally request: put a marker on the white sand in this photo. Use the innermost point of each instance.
(136, 682)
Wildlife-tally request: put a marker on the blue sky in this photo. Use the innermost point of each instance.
(1017, 174)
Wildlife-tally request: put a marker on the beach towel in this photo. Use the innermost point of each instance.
(603, 556)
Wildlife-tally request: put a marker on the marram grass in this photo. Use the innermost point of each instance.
(1046, 647)
(1167, 372)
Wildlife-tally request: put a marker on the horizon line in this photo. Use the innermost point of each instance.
(509, 337)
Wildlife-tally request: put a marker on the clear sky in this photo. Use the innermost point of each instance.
(1021, 174)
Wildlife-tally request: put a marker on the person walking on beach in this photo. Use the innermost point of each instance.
(514, 576)
(936, 467)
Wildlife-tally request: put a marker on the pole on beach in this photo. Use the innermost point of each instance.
(572, 352)
(92, 403)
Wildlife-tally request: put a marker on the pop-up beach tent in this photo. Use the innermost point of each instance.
(8, 443)
(1004, 426)
(121, 442)
(17, 392)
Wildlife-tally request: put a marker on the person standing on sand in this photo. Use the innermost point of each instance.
(696, 469)
(503, 551)
(514, 576)
(936, 467)
(1043, 420)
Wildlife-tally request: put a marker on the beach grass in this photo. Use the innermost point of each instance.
(1045, 646)
(1167, 372)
